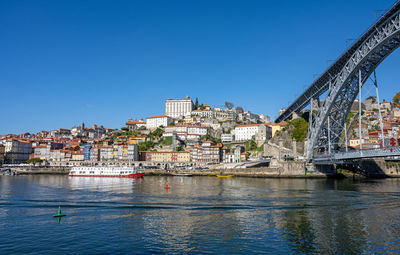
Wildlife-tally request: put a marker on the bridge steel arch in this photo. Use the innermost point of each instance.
(342, 81)
(345, 86)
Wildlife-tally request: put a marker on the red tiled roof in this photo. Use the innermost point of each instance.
(158, 116)
(249, 125)
(133, 122)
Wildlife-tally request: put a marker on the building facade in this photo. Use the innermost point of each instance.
(207, 152)
(178, 108)
(158, 121)
(135, 124)
(17, 151)
(260, 132)
(165, 156)
(227, 138)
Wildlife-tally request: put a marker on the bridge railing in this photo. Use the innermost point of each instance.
(356, 154)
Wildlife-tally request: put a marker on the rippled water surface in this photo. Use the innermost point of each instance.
(198, 215)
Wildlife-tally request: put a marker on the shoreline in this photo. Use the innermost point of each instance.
(243, 172)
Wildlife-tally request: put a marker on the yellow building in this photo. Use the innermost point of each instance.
(77, 155)
(277, 127)
(165, 156)
(136, 139)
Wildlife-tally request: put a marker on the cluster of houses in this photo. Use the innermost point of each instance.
(182, 121)
(376, 120)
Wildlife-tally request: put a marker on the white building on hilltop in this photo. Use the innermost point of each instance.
(158, 121)
(178, 108)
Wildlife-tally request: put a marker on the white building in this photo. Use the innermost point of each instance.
(246, 132)
(158, 121)
(227, 138)
(185, 132)
(178, 108)
(197, 130)
(176, 128)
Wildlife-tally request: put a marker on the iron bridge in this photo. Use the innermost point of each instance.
(342, 82)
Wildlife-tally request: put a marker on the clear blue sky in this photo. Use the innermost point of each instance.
(64, 62)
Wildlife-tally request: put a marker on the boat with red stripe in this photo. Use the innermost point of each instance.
(114, 171)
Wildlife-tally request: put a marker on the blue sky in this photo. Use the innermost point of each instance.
(64, 62)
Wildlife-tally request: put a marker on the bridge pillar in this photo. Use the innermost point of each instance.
(328, 170)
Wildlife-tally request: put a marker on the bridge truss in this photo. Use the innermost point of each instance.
(343, 81)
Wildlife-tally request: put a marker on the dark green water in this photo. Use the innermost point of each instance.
(215, 215)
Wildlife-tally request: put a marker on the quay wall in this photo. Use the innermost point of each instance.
(375, 168)
(285, 169)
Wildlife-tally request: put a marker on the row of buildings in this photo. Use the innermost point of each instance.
(19, 151)
(376, 130)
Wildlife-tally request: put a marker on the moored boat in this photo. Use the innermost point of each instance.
(124, 172)
(224, 176)
(180, 174)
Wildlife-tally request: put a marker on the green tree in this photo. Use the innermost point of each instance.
(145, 146)
(300, 129)
(34, 160)
(251, 145)
(166, 140)
(229, 105)
(239, 109)
(158, 132)
(180, 149)
(373, 98)
(396, 100)
(125, 129)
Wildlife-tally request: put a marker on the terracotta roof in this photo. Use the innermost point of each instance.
(249, 125)
(158, 116)
(186, 98)
(280, 124)
(133, 122)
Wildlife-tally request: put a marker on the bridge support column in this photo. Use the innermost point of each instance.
(379, 110)
(328, 170)
(359, 109)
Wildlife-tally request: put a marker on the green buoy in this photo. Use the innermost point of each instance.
(59, 214)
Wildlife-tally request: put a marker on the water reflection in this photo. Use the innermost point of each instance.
(205, 214)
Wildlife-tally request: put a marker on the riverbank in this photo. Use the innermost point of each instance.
(291, 169)
(30, 171)
(266, 172)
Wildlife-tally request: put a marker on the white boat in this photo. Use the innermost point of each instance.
(94, 171)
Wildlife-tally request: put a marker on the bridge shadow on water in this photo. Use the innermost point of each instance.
(365, 167)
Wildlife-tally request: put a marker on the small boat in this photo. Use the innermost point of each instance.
(177, 174)
(225, 176)
(59, 214)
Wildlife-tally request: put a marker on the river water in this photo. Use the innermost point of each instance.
(198, 215)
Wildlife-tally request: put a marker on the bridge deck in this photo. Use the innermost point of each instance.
(356, 154)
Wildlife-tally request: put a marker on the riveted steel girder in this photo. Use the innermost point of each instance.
(344, 86)
(359, 47)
